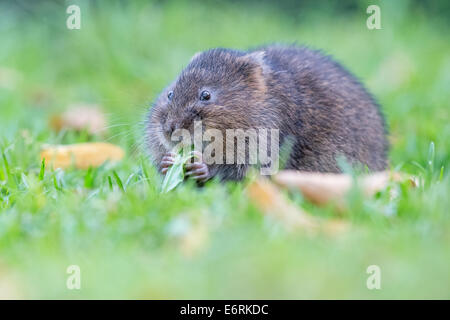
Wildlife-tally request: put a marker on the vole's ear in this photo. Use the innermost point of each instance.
(256, 58)
(256, 69)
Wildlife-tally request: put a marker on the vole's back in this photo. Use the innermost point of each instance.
(324, 109)
(318, 107)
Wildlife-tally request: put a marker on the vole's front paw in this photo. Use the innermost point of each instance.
(197, 170)
(167, 161)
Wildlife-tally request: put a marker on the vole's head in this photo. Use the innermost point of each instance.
(224, 89)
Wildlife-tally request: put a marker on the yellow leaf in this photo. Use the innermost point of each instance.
(272, 202)
(323, 188)
(82, 155)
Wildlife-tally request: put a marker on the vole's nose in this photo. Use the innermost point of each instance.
(169, 128)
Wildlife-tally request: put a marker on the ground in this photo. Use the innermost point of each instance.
(132, 242)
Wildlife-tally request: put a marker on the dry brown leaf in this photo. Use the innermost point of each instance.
(268, 198)
(323, 188)
(79, 117)
(319, 188)
(82, 155)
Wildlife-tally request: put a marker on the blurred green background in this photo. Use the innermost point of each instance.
(125, 236)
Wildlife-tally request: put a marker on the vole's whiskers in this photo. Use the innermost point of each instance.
(109, 127)
(123, 134)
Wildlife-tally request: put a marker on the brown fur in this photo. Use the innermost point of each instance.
(306, 95)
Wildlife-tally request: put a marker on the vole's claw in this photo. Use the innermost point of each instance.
(194, 166)
(198, 171)
(167, 161)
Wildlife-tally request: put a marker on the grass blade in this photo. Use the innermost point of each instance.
(119, 182)
(42, 171)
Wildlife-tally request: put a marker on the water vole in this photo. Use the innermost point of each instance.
(304, 94)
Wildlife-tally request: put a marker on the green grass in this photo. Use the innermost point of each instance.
(114, 223)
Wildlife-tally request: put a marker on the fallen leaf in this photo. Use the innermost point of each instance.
(81, 117)
(323, 188)
(82, 155)
(270, 200)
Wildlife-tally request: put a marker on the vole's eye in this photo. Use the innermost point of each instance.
(170, 95)
(205, 95)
